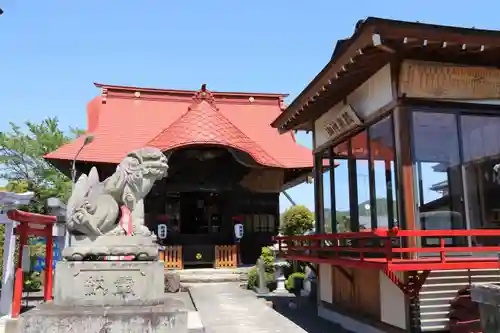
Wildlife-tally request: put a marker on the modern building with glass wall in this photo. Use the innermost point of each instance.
(409, 218)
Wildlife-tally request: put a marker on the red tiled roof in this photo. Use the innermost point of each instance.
(123, 119)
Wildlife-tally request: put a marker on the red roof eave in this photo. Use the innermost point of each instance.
(190, 92)
(201, 119)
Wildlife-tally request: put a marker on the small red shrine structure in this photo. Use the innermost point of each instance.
(224, 161)
(415, 107)
(32, 225)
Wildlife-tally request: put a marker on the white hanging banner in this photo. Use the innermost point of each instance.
(26, 260)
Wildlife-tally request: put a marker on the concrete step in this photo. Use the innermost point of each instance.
(211, 275)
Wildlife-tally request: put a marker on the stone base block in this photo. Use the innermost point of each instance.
(141, 247)
(108, 283)
(170, 317)
(172, 282)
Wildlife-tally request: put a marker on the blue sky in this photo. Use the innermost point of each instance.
(52, 51)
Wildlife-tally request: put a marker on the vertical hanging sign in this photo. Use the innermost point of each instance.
(238, 231)
(162, 231)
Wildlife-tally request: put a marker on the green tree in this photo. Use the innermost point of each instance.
(21, 157)
(22, 165)
(297, 220)
(343, 224)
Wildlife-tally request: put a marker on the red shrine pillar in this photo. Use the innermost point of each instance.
(44, 225)
(49, 260)
(18, 283)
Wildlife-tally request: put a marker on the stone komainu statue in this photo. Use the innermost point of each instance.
(94, 208)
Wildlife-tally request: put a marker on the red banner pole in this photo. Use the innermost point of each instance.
(18, 283)
(49, 260)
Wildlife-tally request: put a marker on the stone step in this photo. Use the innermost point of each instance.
(203, 271)
(210, 275)
(212, 278)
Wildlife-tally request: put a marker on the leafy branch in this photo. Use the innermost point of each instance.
(22, 164)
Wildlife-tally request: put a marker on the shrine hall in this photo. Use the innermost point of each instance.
(227, 165)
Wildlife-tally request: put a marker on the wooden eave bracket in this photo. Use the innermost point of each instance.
(423, 37)
(336, 70)
(378, 43)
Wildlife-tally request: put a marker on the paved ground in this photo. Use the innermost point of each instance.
(305, 314)
(226, 308)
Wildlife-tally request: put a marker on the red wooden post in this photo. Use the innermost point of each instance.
(442, 249)
(49, 259)
(388, 249)
(18, 284)
(362, 247)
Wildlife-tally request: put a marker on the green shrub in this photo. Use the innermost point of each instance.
(267, 255)
(32, 282)
(297, 220)
(289, 283)
(253, 279)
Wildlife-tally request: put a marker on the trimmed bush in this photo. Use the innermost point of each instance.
(289, 283)
(253, 279)
(267, 255)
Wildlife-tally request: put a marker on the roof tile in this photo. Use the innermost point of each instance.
(127, 123)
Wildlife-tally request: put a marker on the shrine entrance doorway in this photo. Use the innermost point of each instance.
(198, 221)
(208, 190)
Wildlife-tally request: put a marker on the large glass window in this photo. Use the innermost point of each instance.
(361, 212)
(456, 183)
(481, 152)
(342, 200)
(327, 198)
(437, 161)
(382, 161)
(318, 194)
(365, 179)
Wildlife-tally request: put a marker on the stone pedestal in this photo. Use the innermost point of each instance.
(169, 317)
(141, 247)
(108, 297)
(106, 283)
(488, 298)
(172, 282)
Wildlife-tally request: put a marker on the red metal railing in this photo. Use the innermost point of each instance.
(391, 249)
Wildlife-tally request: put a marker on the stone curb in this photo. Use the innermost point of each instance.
(195, 324)
(210, 280)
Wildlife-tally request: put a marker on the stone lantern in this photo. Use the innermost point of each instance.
(279, 265)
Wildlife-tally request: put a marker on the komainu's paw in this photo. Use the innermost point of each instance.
(141, 230)
(118, 231)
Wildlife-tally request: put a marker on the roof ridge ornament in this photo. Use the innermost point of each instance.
(205, 95)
